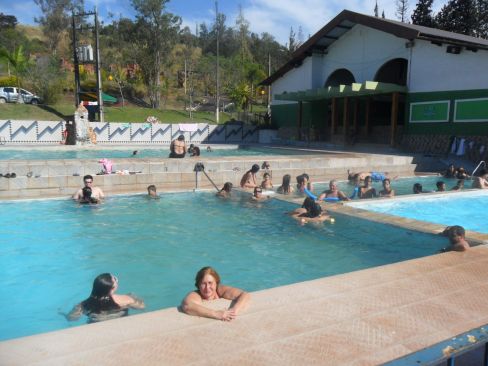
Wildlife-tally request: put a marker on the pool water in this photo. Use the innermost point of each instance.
(467, 209)
(402, 186)
(51, 250)
(88, 153)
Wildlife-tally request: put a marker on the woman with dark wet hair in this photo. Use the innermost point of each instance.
(226, 190)
(310, 211)
(103, 303)
(249, 179)
(285, 187)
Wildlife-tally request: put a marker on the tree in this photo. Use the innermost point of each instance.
(7, 21)
(241, 95)
(242, 29)
(458, 16)
(56, 19)
(292, 41)
(18, 61)
(46, 78)
(156, 32)
(482, 18)
(422, 14)
(376, 14)
(401, 10)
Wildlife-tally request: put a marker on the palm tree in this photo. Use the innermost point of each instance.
(19, 62)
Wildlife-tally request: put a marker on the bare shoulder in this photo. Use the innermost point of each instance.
(193, 297)
(229, 292)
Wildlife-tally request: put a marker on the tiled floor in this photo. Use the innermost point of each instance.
(361, 318)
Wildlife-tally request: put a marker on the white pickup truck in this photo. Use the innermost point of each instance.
(11, 94)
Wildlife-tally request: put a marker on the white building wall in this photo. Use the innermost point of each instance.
(296, 79)
(433, 69)
(363, 51)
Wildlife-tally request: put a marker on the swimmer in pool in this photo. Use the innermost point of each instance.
(225, 191)
(151, 192)
(459, 185)
(267, 183)
(441, 186)
(87, 197)
(387, 191)
(258, 195)
(333, 192)
(375, 176)
(367, 191)
(481, 182)
(456, 235)
(103, 303)
(96, 192)
(249, 179)
(286, 187)
(178, 148)
(417, 188)
(309, 212)
(207, 282)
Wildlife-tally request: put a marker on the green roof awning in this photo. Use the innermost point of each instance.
(341, 91)
(92, 96)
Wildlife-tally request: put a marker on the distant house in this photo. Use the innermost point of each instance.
(382, 81)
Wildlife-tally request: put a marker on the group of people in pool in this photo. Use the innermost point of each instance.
(179, 150)
(104, 304)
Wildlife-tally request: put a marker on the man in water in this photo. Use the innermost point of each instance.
(96, 192)
(481, 182)
(151, 192)
(457, 239)
(333, 192)
(178, 147)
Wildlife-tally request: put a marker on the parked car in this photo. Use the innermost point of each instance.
(11, 94)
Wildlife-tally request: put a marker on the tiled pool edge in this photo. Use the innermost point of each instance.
(360, 318)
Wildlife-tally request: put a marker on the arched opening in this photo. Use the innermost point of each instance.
(393, 71)
(340, 76)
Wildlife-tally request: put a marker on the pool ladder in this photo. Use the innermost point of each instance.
(199, 167)
(481, 163)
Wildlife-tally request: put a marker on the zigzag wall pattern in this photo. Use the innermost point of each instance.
(126, 133)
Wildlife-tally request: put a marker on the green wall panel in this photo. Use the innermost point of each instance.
(471, 110)
(429, 111)
(479, 128)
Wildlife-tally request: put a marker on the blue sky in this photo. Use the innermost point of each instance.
(272, 16)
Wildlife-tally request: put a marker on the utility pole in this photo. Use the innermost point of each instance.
(269, 86)
(101, 116)
(76, 65)
(217, 99)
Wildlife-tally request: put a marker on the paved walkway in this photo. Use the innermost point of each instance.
(361, 318)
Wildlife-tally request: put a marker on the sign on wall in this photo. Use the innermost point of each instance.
(437, 111)
(471, 110)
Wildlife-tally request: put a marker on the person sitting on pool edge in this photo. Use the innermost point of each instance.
(249, 179)
(207, 282)
(178, 147)
(367, 191)
(333, 193)
(387, 190)
(456, 235)
(225, 191)
(103, 303)
(151, 192)
(310, 211)
(96, 192)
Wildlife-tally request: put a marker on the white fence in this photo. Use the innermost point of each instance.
(51, 132)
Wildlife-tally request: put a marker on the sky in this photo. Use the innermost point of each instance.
(272, 16)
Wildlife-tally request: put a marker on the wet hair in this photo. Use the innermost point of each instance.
(196, 151)
(286, 183)
(456, 230)
(181, 138)
(88, 176)
(87, 192)
(100, 298)
(300, 180)
(152, 187)
(227, 187)
(266, 175)
(258, 189)
(386, 180)
(439, 184)
(306, 176)
(417, 188)
(205, 271)
(368, 177)
(254, 168)
(312, 207)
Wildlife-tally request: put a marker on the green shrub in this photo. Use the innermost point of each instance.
(8, 81)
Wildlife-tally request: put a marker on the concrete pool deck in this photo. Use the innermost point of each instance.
(361, 318)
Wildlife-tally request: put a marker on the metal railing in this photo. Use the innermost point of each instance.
(481, 163)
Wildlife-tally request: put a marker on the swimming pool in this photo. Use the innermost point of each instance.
(402, 186)
(51, 250)
(163, 152)
(467, 209)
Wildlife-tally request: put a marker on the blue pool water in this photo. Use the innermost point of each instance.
(39, 154)
(402, 186)
(51, 250)
(467, 209)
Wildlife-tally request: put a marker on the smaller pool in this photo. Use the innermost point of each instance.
(163, 152)
(402, 186)
(467, 209)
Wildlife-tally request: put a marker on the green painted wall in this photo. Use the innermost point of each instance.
(465, 110)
